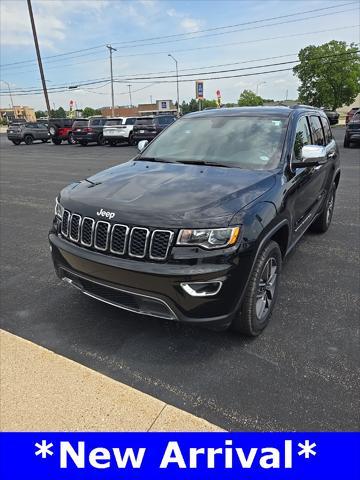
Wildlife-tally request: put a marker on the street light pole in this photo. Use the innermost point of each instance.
(258, 85)
(111, 49)
(39, 57)
(130, 95)
(177, 84)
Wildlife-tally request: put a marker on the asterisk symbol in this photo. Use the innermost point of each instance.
(44, 449)
(306, 449)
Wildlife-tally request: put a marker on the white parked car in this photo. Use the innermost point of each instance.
(118, 130)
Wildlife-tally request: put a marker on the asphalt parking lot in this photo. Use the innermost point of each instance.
(301, 374)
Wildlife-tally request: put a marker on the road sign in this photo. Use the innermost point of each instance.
(199, 89)
(218, 94)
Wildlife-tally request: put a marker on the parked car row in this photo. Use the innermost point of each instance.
(83, 131)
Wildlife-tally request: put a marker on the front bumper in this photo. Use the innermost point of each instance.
(137, 136)
(353, 135)
(154, 288)
(14, 136)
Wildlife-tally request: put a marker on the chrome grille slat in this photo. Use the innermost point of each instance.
(87, 231)
(74, 230)
(102, 231)
(117, 239)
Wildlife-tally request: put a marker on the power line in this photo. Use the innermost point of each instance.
(127, 44)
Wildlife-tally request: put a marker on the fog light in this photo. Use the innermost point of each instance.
(202, 289)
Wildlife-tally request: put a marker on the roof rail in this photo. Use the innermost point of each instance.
(304, 106)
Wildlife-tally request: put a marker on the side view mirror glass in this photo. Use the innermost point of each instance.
(142, 144)
(312, 156)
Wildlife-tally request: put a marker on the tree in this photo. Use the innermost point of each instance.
(90, 112)
(40, 113)
(249, 99)
(329, 74)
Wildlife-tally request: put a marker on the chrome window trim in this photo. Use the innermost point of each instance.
(146, 242)
(70, 282)
(126, 238)
(71, 219)
(107, 235)
(65, 234)
(92, 232)
(168, 246)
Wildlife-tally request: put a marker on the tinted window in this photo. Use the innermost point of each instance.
(144, 121)
(95, 122)
(130, 121)
(113, 121)
(302, 137)
(165, 120)
(317, 131)
(102, 121)
(249, 142)
(327, 130)
(80, 123)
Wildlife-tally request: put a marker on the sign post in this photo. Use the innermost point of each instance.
(199, 91)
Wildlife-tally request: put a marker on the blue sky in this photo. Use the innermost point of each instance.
(68, 25)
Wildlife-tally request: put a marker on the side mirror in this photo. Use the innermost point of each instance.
(142, 144)
(312, 156)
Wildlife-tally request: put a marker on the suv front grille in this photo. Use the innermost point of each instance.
(117, 239)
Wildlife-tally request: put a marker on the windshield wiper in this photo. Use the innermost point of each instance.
(154, 159)
(204, 162)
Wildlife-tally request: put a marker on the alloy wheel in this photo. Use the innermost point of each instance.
(266, 288)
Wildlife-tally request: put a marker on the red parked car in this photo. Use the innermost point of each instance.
(350, 114)
(61, 130)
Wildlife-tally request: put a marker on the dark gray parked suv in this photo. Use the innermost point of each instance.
(27, 132)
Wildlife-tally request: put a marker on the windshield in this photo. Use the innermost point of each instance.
(144, 121)
(114, 121)
(80, 123)
(251, 142)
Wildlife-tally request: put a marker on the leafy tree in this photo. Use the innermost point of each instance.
(40, 113)
(90, 112)
(249, 99)
(329, 74)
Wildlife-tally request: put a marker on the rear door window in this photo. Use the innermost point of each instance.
(317, 131)
(327, 130)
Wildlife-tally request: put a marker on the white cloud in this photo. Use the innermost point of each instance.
(187, 23)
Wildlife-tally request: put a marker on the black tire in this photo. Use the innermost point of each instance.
(112, 143)
(261, 292)
(346, 142)
(101, 140)
(16, 142)
(28, 139)
(53, 129)
(83, 143)
(56, 141)
(71, 140)
(44, 140)
(131, 140)
(323, 221)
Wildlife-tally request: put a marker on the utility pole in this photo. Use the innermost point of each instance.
(150, 98)
(130, 95)
(10, 94)
(111, 49)
(39, 57)
(177, 83)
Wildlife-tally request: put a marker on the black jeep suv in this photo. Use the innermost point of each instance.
(195, 228)
(90, 130)
(147, 128)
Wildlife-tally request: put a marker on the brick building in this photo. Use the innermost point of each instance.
(157, 108)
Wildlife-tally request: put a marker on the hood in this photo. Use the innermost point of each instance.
(167, 194)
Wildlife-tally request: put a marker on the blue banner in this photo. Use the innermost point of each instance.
(179, 456)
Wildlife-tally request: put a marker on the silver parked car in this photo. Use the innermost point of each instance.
(27, 132)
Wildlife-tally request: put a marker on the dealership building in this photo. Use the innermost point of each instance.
(160, 107)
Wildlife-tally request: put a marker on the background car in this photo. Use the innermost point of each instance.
(118, 130)
(146, 128)
(352, 133)
(27, 132)
(350, 114)
(89, 131)
(332, 115)
(61, 130)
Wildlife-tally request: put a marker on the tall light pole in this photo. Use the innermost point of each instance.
(39, 57)
(111, 49)
(258, 85)
(177, 83)
(130, 95)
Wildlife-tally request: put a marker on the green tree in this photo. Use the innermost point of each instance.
(329, 74)
(40, 113)
(90, 112)
(249, 99)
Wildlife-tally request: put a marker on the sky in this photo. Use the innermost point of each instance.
(135, 28)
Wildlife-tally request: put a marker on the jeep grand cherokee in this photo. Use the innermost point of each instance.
(195, 228)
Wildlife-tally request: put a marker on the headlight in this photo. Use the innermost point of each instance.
(59, 209)
(209, 238)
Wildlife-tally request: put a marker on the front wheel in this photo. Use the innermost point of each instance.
(261, 292)
(71, 139)
(131, 140)
(323, 220)
(16, 142)
(28, 139)
(101, 140)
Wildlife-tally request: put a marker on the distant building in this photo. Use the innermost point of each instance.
(157, 108)
(26, 113)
